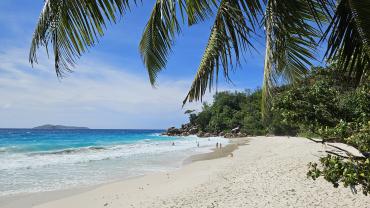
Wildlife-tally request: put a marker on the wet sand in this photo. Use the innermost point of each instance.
(219, 152)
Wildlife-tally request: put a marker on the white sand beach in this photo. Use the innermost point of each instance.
(267, 172)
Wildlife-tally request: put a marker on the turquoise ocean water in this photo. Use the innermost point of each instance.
(45, 160)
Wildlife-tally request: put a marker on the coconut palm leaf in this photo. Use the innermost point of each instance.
(292, 28)
(229, 37)
(360, 12)
(158, 37)
(197, 10)
(290, 42)
(348, 42)
(72, 26)
(163, 26)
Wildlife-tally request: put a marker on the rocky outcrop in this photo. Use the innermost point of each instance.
(173, 131)
(193, 130)
(185, 130)
(188, 129)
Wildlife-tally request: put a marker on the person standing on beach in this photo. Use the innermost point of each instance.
(220, 145)
(217, 145)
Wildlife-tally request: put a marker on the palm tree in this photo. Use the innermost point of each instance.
(293, 30)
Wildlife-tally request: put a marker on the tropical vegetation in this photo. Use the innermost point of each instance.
(230, 110)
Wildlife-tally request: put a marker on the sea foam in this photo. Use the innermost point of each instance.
(36, 165)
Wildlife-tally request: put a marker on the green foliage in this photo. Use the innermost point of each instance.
(311, 104)
(281, 127)
(341, 130)
(230, 110)
(321, 104)
(253, 123)
(361, 138)
(203, 118)
(336, 170)
(239, 109)
(355, 104)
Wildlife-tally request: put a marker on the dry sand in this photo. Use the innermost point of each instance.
(267, 172)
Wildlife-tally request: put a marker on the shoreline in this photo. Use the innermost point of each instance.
(218, 153)
(34, 199)
(268, 172)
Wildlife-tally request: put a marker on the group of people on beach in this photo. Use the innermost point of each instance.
(218, 145)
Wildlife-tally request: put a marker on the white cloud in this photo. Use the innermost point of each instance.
(96, 95)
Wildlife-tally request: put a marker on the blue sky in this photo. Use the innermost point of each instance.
(110, 87)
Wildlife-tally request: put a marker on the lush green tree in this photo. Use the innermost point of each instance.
(222, 114)
(281, 127)
(312, 104)
(230, 110)
(253, 123)
(292, 28)
(203, 118)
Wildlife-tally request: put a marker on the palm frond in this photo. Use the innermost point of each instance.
(72, 26)
(197, 10)
(290, 42)
(229, 37)
(360, 12)
(348, 43)
(162, 28)
(158, 36)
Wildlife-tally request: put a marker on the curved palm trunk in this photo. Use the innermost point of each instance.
(267, 71)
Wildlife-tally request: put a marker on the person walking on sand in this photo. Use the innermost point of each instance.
(217, 145)
(197, 144)
(220, 145)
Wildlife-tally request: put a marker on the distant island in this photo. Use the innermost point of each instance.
(49, 126)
